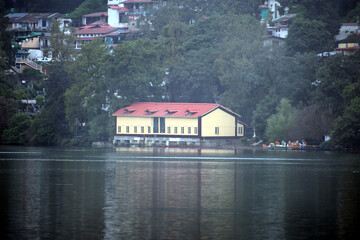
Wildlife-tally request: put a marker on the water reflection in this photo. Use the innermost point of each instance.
(161, 194)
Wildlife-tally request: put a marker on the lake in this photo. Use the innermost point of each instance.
(149, 193)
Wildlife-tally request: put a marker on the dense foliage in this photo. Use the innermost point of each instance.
(200, 52)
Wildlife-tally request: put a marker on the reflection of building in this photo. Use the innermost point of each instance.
(172, 123)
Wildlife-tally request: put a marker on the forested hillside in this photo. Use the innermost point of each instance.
(204, 51)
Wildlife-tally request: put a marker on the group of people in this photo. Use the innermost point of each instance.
(292, 144)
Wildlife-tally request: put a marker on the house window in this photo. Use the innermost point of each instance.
(142, 129)
(168, 129)
(43, 23)
(135, 129)
(216, 130)
(149, 129)
(240, 130)
(175, 130)
(189, 130)
(182, 130)
(127, 129)
(195, 130)
(119, 129)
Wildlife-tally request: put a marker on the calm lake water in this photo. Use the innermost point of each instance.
(130, 193)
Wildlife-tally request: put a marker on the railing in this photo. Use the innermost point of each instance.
(30, 63)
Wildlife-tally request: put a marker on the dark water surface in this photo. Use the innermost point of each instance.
(67, 193)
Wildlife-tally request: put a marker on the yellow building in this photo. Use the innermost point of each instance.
(172, 123)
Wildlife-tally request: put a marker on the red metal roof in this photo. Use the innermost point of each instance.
(160, 109)
(121, 9)
(97, 29)
(350, 24)
(138, 1)
(97, 14)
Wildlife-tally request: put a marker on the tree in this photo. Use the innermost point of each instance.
(135, 73)
(278, 125)
(62, 43)
(88, 6)
(347, 127)
(306, 35)
(235, 63)
(16, 133)
(99, 128)
(7, 52)
(334, 75)
(63, 6)
(193, 78)
(311, 122)
(89, 91)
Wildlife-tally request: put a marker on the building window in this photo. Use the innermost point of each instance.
(195, 130)
(162, 125)
(135, 129)
(168, 129)
(189, 130)
(120, 18)
(149, 129)
(142, 129)
(216, 130)
(44, 23)
(182, 130)
(156, 125)
(175, 130)
(127, 129)
(119, 129)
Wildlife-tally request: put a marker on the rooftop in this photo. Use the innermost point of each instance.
(97, 14)
(160, 109)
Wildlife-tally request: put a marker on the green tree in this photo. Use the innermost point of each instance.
(62, 43)
(99, 128)
(278, 125)
(18, 126)
(311, 122)
(334, 75)
(88, 92)
(88, 6)
(347, 127)
(8, 108)
(136, 73)
(235, 64)
(306, 35)
(7, 53)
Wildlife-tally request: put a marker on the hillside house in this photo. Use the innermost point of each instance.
(269, 8)
(175, 123)
(23, 23)
(95, 30)
(346, 30)
(347, 48)
(125, 13)
(94, 17)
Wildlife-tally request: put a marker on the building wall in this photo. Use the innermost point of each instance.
(346, 30)
(31, 43)
(173, 126)
(218, 124)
